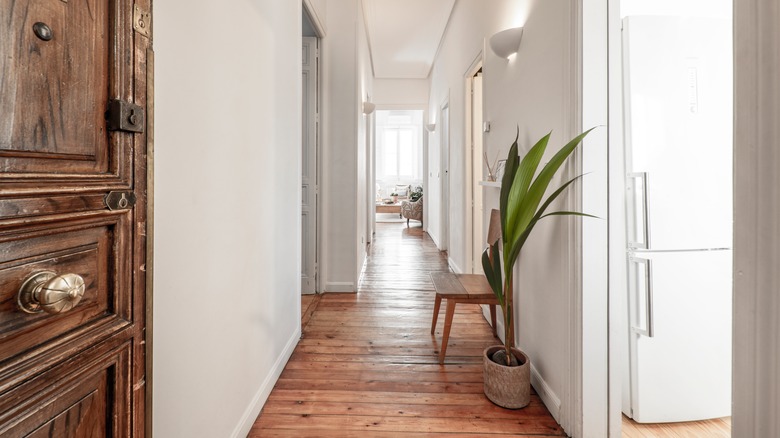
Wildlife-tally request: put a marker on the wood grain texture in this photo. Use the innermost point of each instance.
(309, 305)
(716, 428)
(367, 364)
(57, 163)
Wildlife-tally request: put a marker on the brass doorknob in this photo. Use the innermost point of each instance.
(48, 292)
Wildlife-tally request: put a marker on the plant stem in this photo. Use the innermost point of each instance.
(509, 321)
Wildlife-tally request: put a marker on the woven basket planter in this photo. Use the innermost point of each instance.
(508, 387)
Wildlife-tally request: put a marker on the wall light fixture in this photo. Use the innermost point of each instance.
(507, 42)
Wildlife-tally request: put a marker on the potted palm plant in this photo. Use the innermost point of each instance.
(522, 206)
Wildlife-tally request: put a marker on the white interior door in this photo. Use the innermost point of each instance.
(309, 167)
(477, 213)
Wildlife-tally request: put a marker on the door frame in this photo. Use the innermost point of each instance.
(589, 398)
(149, 350)
(444, 176)
(474, 228)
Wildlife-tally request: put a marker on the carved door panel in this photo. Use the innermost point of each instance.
(73, 97)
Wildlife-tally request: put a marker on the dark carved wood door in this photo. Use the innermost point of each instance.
(73, 217)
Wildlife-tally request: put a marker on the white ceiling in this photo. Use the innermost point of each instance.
(404, 35)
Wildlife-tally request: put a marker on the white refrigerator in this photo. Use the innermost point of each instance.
(678, 134)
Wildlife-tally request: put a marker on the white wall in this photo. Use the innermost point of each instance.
(347, 81)
(401, 93)
(364, 185)
(227, 201)
(688, 8)
(533, 91)
(339, 153)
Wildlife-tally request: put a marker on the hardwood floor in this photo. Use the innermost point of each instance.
(368, 366)
(309, 305)
(717, 428)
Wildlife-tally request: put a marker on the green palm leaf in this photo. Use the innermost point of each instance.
(510, 169)
(522, 181)
(530, 202)
(521, 207)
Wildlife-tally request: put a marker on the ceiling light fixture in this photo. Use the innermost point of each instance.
(507, 42)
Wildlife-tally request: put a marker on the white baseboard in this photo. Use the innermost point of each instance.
(546, 393)
(343, 287)
(435, 238)
(454, 266)
(258, 401)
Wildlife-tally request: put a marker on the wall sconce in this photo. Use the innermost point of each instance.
(430, 127)
(506, 42)
(368, 108)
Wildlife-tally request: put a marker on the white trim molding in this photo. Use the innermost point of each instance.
(585, 405)
(343, 287)
(756, 341)
(545, 392)
(258, 401)
(316, 19)
(454, 266)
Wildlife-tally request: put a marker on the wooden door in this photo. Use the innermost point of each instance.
(69, 171)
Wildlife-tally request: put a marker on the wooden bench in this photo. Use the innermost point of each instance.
(459, 288)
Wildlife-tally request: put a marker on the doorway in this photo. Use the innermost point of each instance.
(474, 135)
(398, 163)
(310, 138)
(444, 177)
(674, 96)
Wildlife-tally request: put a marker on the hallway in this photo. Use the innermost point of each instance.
(367, 364)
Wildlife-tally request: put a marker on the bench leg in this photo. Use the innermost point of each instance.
(493, 318)
(447, 326)
(436, 306)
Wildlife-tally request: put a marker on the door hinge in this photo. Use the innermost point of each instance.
(125, 116)
(142, 21)
(120, 200)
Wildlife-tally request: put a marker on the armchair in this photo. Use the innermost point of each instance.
(412, 210)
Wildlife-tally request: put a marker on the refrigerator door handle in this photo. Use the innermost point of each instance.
(649, 329)
(641, 240)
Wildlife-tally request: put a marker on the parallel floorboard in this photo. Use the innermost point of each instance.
(716, 428)
(368, 366)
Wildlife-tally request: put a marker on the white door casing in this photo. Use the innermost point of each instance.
(477, 213)
(444, 179)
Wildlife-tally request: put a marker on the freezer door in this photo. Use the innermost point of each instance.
(680, 340)
(678, 128)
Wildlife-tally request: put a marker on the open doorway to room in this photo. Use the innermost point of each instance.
(310, 145)
(476, 167)
(399, 167)
(671, 268)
